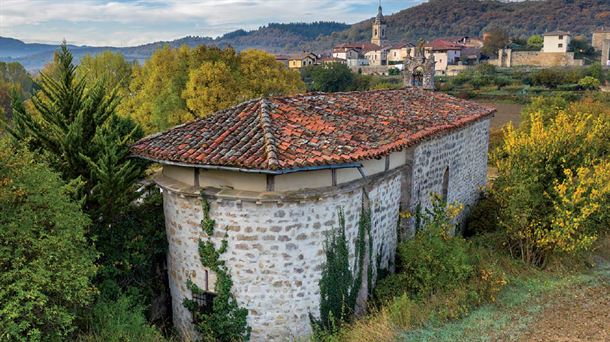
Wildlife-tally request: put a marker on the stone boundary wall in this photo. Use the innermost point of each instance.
(275, 251)
(509, 58)
(463, 153)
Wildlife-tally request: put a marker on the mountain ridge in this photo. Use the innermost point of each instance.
(432, 19)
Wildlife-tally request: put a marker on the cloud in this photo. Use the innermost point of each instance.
(128, 22)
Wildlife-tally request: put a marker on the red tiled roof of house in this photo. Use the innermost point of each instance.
(441, 44)
(280, 133)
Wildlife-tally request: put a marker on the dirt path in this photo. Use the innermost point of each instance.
(581, 314)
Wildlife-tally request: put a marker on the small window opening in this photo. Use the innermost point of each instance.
(204, 299)
(445, 191)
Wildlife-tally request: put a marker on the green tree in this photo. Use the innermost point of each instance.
(331, 77)
(74, 123)
(496, 39)
(45, 261)
(535, 42)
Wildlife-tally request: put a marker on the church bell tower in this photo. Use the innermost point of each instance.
(379, 28)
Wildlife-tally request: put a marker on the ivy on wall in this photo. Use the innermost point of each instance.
(226, 321)
(340, 284)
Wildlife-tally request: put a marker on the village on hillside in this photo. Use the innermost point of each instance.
(451, 55)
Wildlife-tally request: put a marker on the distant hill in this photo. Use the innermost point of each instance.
(442, 18)
(275, 38)
(435, 18)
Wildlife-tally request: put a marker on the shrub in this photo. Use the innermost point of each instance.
(433, 260)
(569, 87)
(118, 321)
(589, 83)
(541, 213)
(483, 217)
(46, 265)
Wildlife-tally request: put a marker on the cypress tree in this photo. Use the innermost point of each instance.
(74, 125)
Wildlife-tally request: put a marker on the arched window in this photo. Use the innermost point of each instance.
(375, 32)
(445, 191)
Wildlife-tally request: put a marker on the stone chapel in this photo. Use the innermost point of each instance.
(277, 170)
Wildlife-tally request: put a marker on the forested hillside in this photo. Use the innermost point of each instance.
(438, 18)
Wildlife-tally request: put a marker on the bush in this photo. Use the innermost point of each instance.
(433, 260)
(118, 321)
(483, 217)
(569, 87)
(545, 208)
(46, 265)
(589, 83)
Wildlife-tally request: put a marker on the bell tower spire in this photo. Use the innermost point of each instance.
(379, 28)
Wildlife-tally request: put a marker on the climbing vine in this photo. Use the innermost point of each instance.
(339, 285)
(225, 321)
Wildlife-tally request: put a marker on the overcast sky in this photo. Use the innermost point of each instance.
(133, 22)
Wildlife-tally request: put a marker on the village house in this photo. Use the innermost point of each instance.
(302, 60)
(445, 53)
(555, 52)
(397, 53)
(600, 41)
(276, 171)
(557, 41)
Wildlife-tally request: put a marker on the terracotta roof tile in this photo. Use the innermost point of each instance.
(311, 130)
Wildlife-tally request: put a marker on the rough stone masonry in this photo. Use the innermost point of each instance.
(276, 250)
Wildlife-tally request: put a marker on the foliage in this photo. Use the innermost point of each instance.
(211, 87)
(496, 39)
(133, 252)
(109, 68)
(541, 213)
(589, 83)
(546, 107)
(118, 321)
(226, 321)
(340, 285)
(480, 278)
(483, 217)
(331, 77)
(75, 125)
(535, 42)
(582, 48)
(46, 262)
(178, 85)
(14, 81)
(433, 260)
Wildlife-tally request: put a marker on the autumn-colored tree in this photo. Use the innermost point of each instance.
(178, 85)
(262, 75)
(154, 99)
(211, 87)
(108, 67)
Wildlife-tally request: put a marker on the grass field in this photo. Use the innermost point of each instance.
(539, 306)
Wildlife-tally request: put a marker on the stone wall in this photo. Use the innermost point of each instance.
(509, 58)
(275, 251)
(275, 240)
(462, 155)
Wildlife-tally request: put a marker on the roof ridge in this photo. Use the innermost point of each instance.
(270, 145)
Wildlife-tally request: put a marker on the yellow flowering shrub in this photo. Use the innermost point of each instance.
(552, 184)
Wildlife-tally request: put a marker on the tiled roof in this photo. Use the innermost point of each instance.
(557, 33)
(441, 44)
(311, 130)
